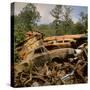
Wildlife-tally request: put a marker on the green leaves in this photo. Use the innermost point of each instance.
(25, 21)
(84, 21)
(62, 20)
(63, 23)
(29, 16)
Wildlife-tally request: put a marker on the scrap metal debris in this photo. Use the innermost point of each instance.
(36, 72)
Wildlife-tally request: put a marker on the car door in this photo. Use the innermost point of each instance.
(40, 56)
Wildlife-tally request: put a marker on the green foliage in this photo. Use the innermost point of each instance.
(29, 16)
(78, 28)
(63, 23)
(84, 21)
(47, 30)
(65, 26)
(25, 21)
(81, 26)
(57, 13)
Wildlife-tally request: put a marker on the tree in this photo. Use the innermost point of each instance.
(82, 24)
(67, 18)
(25, 21)
(29, 16)
(57, 13)
(78, 28)
(84, 21)
(63, 21)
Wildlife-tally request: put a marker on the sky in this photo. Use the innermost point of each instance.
(44, 10)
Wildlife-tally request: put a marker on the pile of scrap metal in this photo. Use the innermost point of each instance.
(65, 41)
(32, 41)
(55, 66)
